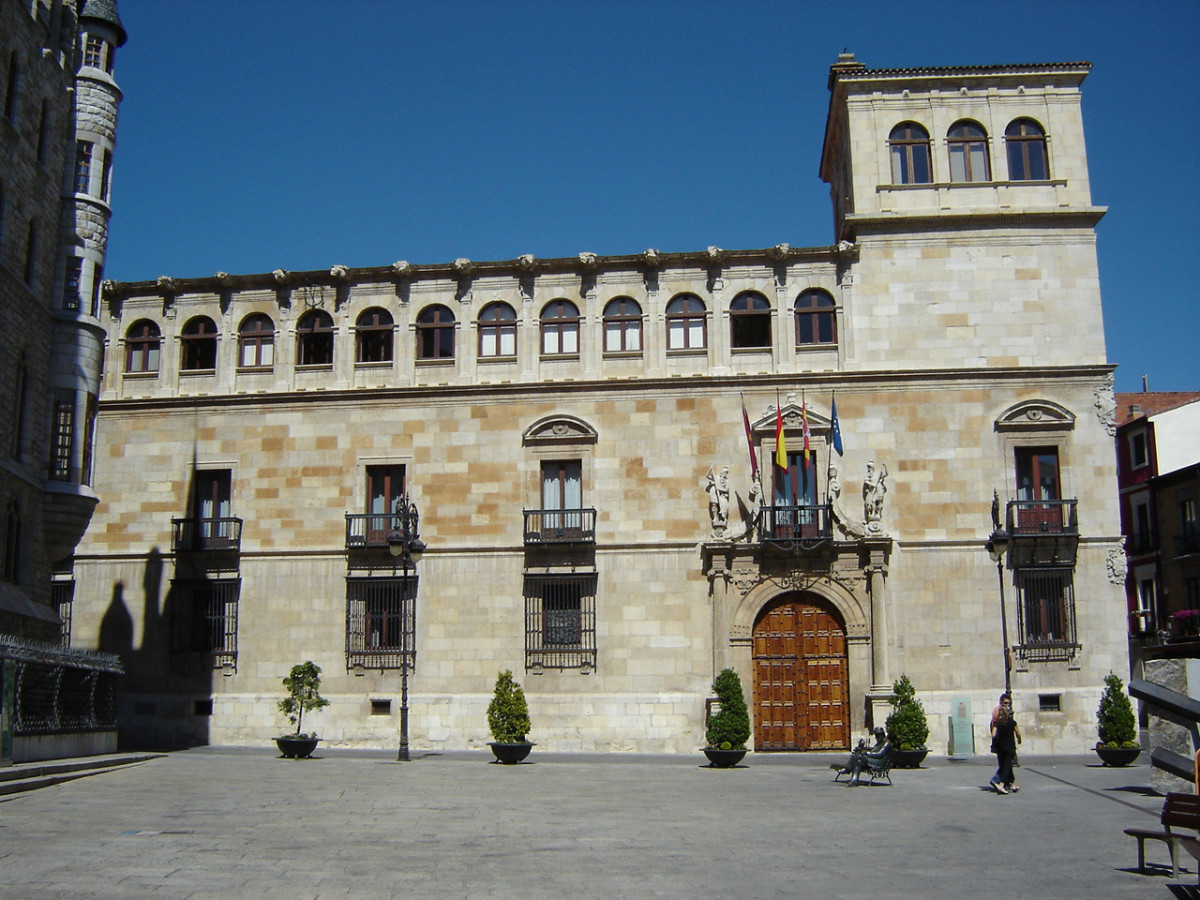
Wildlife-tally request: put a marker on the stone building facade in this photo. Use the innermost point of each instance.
(593, 445)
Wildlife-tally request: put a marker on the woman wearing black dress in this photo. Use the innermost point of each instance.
(1006, 734)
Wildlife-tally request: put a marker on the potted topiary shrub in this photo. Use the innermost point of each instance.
(728, 728)
(508, 719)
(906, 726)
(303, 685)
(1116, 725)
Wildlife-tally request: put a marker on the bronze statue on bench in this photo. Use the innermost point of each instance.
(875, 762)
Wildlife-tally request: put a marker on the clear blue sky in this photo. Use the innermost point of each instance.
(297, 134)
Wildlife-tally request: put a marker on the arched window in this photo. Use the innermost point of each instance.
(687, 323)
(373, 336)
(967, 144)
(497, 331)
(314, 339)
(141, 347)
(560, 328)
(256, 342)
(622, 326)
(815, 320)
(435, 333)
(198, 345)
(909, 145)
(1026, 143)
(12, 543)
(750, 321)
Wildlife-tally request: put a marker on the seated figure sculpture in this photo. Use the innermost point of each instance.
(861, 758)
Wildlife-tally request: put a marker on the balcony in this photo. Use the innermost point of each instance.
(560, 526)
(369, 530)
(207, 535)
(1043, 532)
(796, 527)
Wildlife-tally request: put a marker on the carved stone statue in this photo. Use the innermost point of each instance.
(718, 500)
(746, 526)
(874, 490)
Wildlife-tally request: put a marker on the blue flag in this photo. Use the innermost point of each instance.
(837, 430)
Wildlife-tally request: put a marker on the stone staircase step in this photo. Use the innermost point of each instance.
(31, 776)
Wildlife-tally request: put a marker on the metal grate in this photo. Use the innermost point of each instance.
(205, 619)
(560, 621)
(62, 595)
(381, 622)
(1046, 614)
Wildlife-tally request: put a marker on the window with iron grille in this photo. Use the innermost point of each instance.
(205, 618)
(380, 622)
(1045, 614)
(62, 439)
(72, 275)
(62, 595)
(560, 621)
(83, 166)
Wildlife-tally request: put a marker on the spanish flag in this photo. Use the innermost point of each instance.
(780, 443)
(804, 419)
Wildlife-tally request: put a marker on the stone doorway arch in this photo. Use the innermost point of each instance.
(801, 675)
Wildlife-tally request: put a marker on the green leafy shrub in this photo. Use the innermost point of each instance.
(729, 727)
(907, 727)
(302, 686)
(1115, 722)
(508, 713)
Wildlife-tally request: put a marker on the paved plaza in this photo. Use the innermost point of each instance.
(235, 823)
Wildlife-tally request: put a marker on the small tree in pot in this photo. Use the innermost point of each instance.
(907, 728)
(728, 729)
(508, 719)
(303, 685)
(1116, 725)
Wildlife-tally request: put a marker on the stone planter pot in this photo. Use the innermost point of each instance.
(511, 754)
(1118, 756)
(910, 759)
(296, 747)
(723, 759)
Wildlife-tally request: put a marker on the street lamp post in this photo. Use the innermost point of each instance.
(997, 546)
(405, 545)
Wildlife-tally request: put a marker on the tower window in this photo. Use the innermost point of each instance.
(622, 326)
(314, 339)
(142, 343)
(815, 318)
(1026, 144)
(750, 321)
(435, 333)
(687, 323)
(373, 336)
(560, 328)
(199, 345)
(967, 144)
(909, 147)
(256, 342)
(83, 166)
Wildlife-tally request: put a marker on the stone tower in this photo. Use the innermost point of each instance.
(58, 117)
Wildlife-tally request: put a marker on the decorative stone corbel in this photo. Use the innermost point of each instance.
(224, 279)
(403, 269)
(780, 252)
(527, 263)
(588, 261)
(282, 277)
(651, 258)
(339, 273)
(1106, 406)
(463, 267)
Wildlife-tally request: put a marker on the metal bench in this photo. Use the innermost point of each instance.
(1179, 811)
(880, 768)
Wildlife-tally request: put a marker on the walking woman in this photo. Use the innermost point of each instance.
(1006, 734)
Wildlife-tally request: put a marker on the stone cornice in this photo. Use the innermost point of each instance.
(454, 395)
(526, 265)
(1082, 217)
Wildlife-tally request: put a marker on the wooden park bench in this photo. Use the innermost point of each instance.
(1179, 811)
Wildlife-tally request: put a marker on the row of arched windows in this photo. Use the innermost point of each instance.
(967, 147)
(750, 316)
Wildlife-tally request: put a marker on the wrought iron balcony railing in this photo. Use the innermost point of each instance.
(370, 529)
(1042, 517)
(207, 534)
(813, 522)
(1187, 543)
(560, 526)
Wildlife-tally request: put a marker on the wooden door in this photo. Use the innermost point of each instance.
(800, 677)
